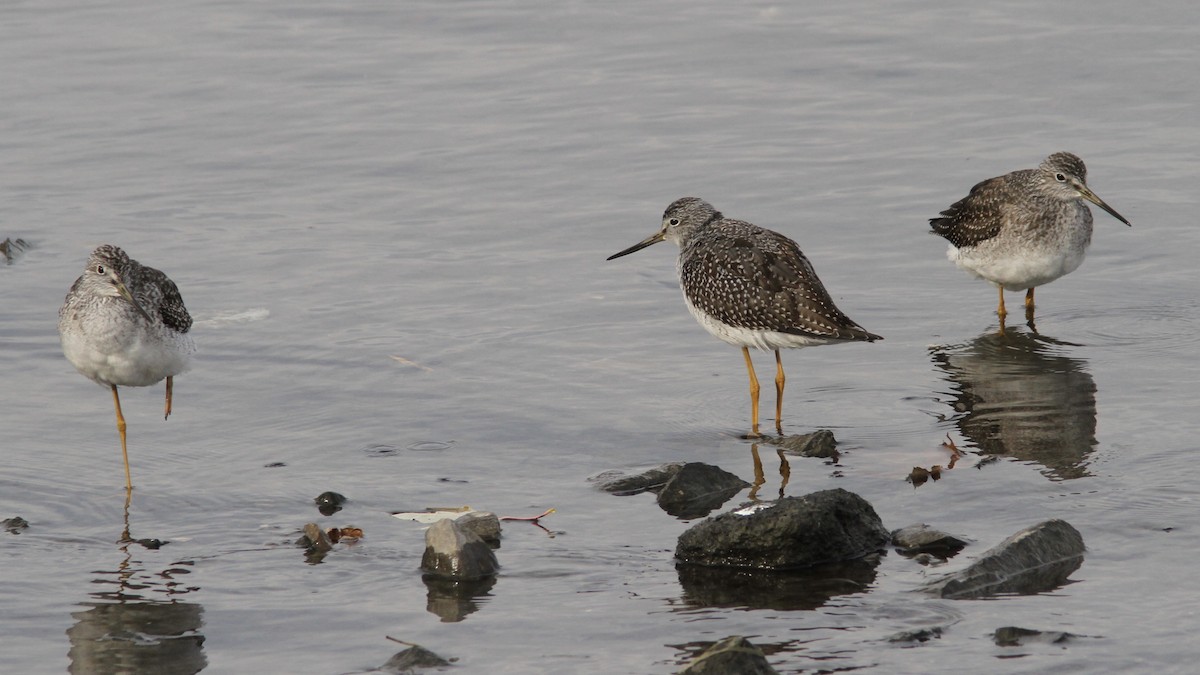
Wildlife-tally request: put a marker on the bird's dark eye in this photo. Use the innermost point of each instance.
(1060, 178)
(673, 221)
(99, 269)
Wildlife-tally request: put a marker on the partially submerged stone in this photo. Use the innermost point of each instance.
(1034, 560)
(414, 658)
(329, 503)
(15, 525)
(484, 524)
(793, 532)
(452, 552)
(315, 539)
(917, 635)
(698, 489)
(734, 654)
(820, 443)
(10, 248)
(651, 480)
(1012, 636)
(921, 538)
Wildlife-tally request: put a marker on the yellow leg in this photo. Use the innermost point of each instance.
(1000, 311)
(779, 380)
(1029, 310)
(753, 394)
(169, 383)
(121, 430)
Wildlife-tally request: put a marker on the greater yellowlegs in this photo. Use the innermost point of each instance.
(1025, 228)
(125, 324)
(750, 287)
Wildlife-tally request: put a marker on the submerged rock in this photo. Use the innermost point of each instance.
(734, 654)
(452, 552)
(1034, 560)
(793, 532)
(414, 658)
(698, 489)
(1012, 636)
(651, 480)
(921, 538)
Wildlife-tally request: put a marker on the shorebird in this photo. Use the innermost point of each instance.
(1025, 228)
(124, 324)
(750, 287)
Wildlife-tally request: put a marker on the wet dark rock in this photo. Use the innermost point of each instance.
(483, 524)
(921, 538)
(698, 489)
(454, 553)
(918, 635)
(793, 532)
(11, 248)
(412, 659)
(734, 654)
(820, 443)
(1012, 636)
(314, 539)
(651, 480)
(1034, 560)
(329, 503)
(15, 525)
(779, 590)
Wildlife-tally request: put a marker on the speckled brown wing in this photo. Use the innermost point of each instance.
(978, 216)
(157, 290)
(749, 277)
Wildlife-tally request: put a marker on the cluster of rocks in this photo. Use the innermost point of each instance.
(799, 552)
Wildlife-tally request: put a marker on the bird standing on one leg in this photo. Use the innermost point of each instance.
(1025, 228)
(750, 287)
(123, 324)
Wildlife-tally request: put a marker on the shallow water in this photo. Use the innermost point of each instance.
(390, 222)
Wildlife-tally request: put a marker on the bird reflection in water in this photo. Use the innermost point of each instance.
(1018, 395)
(139, 623)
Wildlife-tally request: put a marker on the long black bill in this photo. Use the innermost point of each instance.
(652, 239)
(1095, 199)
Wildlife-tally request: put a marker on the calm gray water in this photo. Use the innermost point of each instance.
(390, 222)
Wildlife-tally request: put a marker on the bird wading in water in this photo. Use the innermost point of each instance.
(750, 287)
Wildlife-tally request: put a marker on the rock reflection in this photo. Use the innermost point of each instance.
(452, 601)
(1017, 395)
(783, 591)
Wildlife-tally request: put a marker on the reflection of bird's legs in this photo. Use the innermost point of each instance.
(785, 471)
(759, 477)
(1029, 310)
(121, 430)
(779, 380)
(753, 394)
(168, 410)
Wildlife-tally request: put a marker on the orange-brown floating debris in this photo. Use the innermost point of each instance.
(531, 519)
